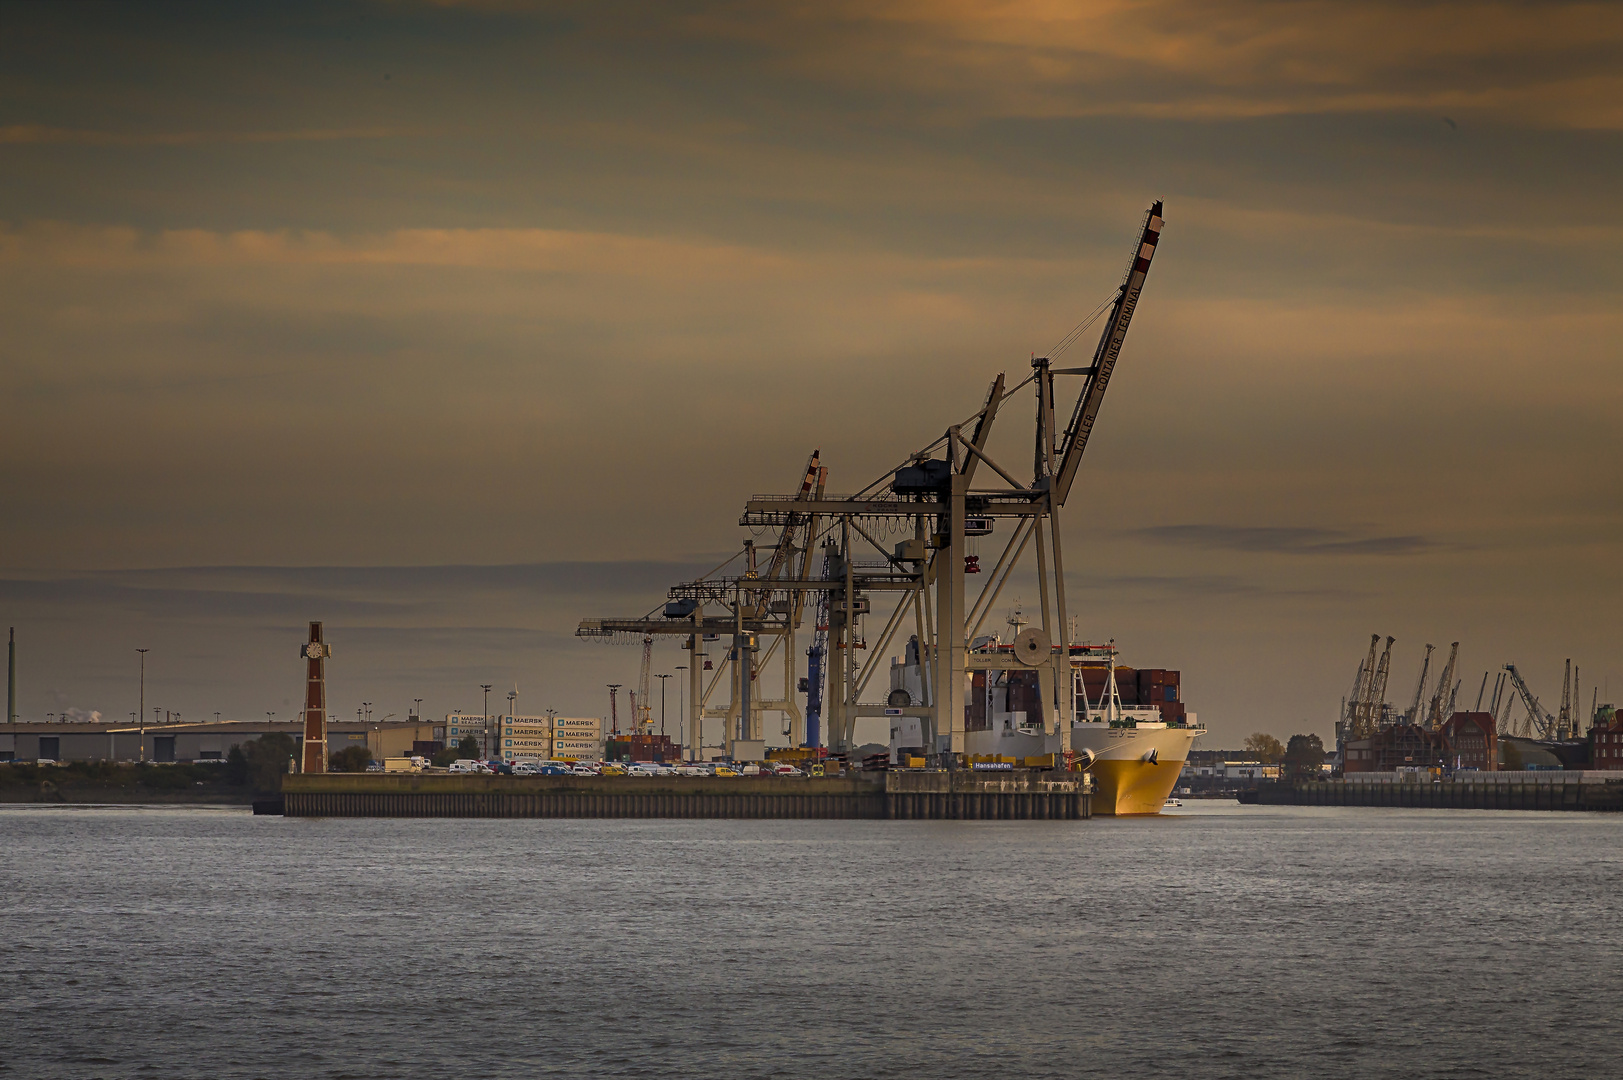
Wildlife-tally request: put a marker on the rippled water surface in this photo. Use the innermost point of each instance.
(1219, 942)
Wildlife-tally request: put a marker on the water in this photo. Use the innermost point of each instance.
(1217, 942)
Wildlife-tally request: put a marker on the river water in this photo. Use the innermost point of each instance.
(1217, 941)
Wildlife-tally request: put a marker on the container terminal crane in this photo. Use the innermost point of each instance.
(955, 696)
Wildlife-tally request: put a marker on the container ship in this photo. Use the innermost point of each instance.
(1131, 731)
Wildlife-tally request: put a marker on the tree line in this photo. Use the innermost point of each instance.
(1301, 759)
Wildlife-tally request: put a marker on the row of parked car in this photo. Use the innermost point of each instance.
(614, 768)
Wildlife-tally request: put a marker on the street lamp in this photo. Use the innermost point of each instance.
(661, 679)
(143, 723)
(367, 705)
(512, 696)
(419, 703)
(486, 688)
(681, 705)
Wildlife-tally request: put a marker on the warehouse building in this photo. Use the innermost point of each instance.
(200, 742)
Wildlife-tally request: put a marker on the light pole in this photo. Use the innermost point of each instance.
(486, 688)
(367, 705)
(681, 706)
(695, 688)
(661, 679)
(419, 703)
(142, 754)
(512, 696)
(614, 710)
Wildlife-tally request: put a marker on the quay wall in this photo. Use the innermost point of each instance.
(1453, 795)
(926, 796)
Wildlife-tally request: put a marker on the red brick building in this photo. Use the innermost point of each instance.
(1606, 742)
(1471, 741)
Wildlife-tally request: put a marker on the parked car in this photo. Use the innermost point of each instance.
(525, 768)
(550, 769)
(582, 770)
(783, 768)
(641, 768)
(724, 770)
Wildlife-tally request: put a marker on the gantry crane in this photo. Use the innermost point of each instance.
(934, 495)
(745, 607)
(817, 655)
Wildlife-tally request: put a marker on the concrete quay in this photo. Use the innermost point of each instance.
(1450, 795)
(1016, 796)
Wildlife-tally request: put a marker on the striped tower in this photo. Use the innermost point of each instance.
(315, 654)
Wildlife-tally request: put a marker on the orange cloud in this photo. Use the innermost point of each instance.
(1545, 65)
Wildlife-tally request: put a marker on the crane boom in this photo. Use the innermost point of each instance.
(1542, 722)
(1420, 688)
(642, 706)
(1442, 702)
(1375, 695)
(1105, 356)
(1360, 687)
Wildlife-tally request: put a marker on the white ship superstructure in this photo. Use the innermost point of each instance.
(1133, 751)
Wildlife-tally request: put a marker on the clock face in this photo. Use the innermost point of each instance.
(313, 651)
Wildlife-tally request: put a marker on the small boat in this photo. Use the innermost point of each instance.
(1171, 803)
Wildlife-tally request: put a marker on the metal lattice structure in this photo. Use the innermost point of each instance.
(938, 496)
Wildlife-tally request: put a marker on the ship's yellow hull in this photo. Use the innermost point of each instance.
(1132, 787)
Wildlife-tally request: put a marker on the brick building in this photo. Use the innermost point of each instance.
(1472, 741)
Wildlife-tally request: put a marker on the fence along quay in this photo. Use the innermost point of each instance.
(1019, 796)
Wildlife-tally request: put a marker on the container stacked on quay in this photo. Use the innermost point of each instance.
(1130, 731)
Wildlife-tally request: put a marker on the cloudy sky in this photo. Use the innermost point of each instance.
(451, 324)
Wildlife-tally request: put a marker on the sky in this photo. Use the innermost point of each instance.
(453, 324)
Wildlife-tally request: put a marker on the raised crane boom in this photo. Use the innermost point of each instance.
(1541, 722)
(1442, 702)
(1420, 689)
(1105, 356)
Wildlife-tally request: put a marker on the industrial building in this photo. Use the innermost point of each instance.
(200, 742)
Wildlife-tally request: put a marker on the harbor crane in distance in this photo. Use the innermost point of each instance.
(1442, 702)
(1413, 715)
(1537, 723)
(1354, 706)
(642, 699)
(1366, 712)
(1563, 719)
